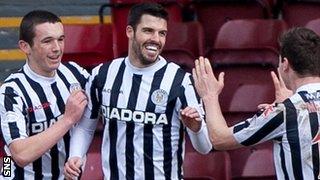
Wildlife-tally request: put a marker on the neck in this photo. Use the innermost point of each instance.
(303, 81)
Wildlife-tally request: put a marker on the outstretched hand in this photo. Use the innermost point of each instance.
(281, 91)
(206, 83)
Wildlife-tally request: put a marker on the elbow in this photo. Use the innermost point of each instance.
(20, 160)
(206, 151)
(218, 143)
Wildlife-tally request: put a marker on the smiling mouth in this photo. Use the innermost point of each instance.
(151, 48)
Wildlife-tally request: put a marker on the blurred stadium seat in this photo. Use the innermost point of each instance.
(93, 167)
(119, 13)
(246, 50)
(213, 166)
(88, 45)
(185, 42)
(255, 163)
(299, 12)
(213, 14)
(248, 41)
(314, 25)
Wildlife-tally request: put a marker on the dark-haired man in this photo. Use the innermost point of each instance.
(42, 101)
(292, 123)
(140, 98)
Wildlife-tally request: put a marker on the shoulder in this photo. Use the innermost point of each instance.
(73, 67)
(104, 67)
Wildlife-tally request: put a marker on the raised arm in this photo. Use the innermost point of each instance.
(209, 88)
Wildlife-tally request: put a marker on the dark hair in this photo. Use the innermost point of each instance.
(33, 18)
(301, 47)
(153, 9)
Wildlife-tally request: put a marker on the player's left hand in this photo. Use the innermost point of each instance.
(191, 118)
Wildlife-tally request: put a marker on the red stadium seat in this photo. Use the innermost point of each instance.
(254, 163)
(185, 42)
(119, 13)
(213, 14)
(213, 166)
(314, 25)
(88, 45)
(299, 12)
(248, 41)
(93, 167)
(246, 50)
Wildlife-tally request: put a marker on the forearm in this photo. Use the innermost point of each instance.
(25, 151)
(200, 140)
(220, 134)
(82, 136)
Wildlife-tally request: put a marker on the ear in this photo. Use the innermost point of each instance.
(285, 64)
(129, 32)
(25, 47)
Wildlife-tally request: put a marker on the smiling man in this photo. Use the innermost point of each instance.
(39, 104)
(140, 98)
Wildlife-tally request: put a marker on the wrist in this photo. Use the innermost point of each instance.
(209, 98)
(67, 121)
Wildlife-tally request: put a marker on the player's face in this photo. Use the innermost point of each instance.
(147, 41)
(44, 56)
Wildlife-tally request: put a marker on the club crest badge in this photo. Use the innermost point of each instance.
(74, 87)
(159, 97)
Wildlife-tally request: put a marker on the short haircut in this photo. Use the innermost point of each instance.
(153, 9)
(32, 19)
(301, 46)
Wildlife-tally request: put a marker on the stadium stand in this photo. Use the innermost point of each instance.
(185, 42)
(213, 14)
(213, 166)
(93, 166)
(299, 12)
(88, 45)
(119, 13)
(314, 25)
(246, 50)
(255, 163)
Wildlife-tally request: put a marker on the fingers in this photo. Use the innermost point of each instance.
(276, 81)
(202, 66)
(208, 67)
(263, 106)
(195, 77)
(197, 69)
(221, 78)
(72, 168)
(190, 113)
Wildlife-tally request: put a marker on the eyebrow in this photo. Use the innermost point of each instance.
(50, 37)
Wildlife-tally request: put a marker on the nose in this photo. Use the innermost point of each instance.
(155, 37)
(56, 46)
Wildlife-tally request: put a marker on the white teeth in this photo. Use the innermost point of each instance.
(153, 48)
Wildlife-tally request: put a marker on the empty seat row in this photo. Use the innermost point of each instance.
(245, 163)
(213, 14)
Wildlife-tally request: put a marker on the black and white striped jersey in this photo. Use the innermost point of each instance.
(143, 135)
(294, 128)
(29, 104)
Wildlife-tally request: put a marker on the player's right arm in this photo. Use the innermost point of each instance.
(25, 149)
(82, 134)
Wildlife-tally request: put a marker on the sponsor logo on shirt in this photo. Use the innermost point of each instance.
(45, 105)
(134, 116)
(38, 127)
